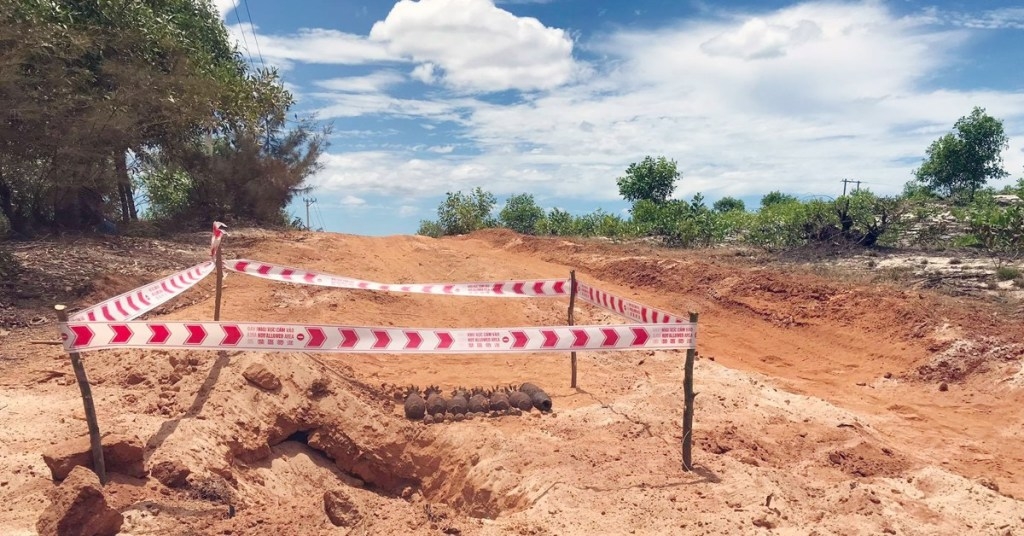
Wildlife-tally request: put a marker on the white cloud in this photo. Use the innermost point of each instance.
(371, 83)
(311, 45)
(794, 99)
(473, 45)
(406, 211)
(224, 7)
(352, 201)
(441, 149)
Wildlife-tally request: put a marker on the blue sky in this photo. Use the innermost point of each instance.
(557, 97)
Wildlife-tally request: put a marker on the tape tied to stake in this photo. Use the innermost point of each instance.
(264, 337)
(525, 288)
(139, 301)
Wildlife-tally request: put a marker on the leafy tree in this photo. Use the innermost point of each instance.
(558, 223)
(521, 214)
(650, 180)
(776, 197)
(462, 213)
(728, 204)
(961, 162)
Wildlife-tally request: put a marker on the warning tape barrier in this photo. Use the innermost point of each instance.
(87, 336)
(504, 289)
(135, 303)
(630, 309)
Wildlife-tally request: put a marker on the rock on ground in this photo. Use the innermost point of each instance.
(121, 454)
(171, 473)
(79, 507)
(259, 375)
(340, 509)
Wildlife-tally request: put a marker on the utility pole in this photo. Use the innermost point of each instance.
(308, 201)
(846, 181)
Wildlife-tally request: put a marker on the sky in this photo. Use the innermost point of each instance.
(557, 97)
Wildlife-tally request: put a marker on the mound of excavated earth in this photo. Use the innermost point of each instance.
(819, 408)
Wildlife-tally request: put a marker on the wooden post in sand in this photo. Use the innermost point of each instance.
(220, 285)
(90, 411)
(572, 307)
(688, 396)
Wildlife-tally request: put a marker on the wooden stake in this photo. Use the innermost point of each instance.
(572, 307)
(90, 411)
(220, 285)
(688, 396)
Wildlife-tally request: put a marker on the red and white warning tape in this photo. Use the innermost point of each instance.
(632, 310)
(83, 336)
(135, 303)
(504, 289)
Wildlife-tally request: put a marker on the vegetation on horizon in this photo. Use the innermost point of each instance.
(951, 180)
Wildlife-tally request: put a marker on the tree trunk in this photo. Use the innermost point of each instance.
(124, 188)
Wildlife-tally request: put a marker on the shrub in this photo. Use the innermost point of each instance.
(1006, 273)
(521, 214)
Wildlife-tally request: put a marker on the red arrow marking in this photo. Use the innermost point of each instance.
(142, 298)
(232, 334)
(317, 337)
(520, 339)
(286, 274)
(363, 284)
(83, 335)
(497, 288)
(196, 334)
(560, 287)
(166, 288)
(121, 333)
(445, 339)
(309, 277)
(92, 316)
(383, 339)
(405, 289)
(580, 337)
(263, 269)
(622, 308)
(550, 339)
(240, 266)
(414, 339)
(448, 289)
(426, 289)
(106, 313)
(643, 313)
(160, 334)
(610, 337)
(385, 287)
(640, 336)
(131, 303)
(538, 288)
(518, 288)
(349, 338)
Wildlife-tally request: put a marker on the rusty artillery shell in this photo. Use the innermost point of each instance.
(478, 403)
(529, 388)
(414, 406)
(436, 404)
(499, 401)
(458, 405)
(541, 400)
(521, 400)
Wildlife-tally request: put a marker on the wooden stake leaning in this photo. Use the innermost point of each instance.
(220, 285)
(95, 441)
(688, 396)
(572, 307)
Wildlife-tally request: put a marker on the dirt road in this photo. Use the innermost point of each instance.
(819, 407)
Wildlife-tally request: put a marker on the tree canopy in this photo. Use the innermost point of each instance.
(961, 162)
(86, 83)
(649, 180)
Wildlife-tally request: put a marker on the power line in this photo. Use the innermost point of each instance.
(245, 42)
(252, 28)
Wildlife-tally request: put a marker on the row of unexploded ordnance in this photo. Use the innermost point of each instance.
(432, 406)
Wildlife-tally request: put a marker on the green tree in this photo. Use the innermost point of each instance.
(776, 197)
(961, 162)
(521, 214)
(728, 204)
(650, 179)
(462, 213)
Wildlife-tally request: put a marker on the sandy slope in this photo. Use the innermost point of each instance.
(795, 404)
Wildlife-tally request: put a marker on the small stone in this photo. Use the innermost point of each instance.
(171, 473)
(340, 509)
(888, 375)
(259, 375)
(943, 387)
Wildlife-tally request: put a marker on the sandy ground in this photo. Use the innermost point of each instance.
(819, 407)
